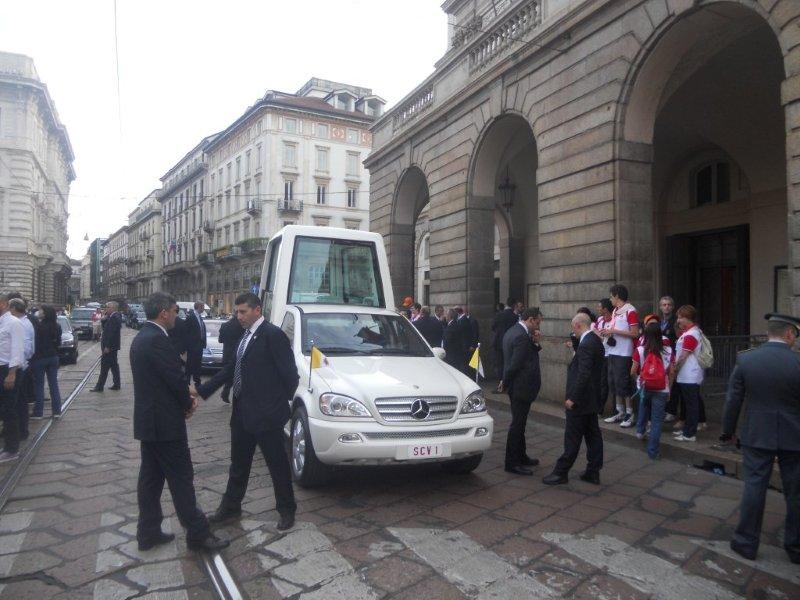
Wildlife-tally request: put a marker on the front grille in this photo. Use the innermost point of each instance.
(410, 435)
(399, 409)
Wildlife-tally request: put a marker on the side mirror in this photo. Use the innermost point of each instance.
(439, 353)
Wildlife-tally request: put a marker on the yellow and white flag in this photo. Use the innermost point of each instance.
(475, 363)
(318, 359)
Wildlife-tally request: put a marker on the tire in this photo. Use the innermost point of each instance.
(73, 359)
(462, 466)
(307, 470)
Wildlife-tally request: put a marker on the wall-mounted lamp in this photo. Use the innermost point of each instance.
(507, 188)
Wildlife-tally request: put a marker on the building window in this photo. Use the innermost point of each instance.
(351, 197)
(712, 184)
(247, 163)
(322, 131)
(219, 180)
(213, 179)
(288, 189)
(258, 156)
(352, 136)
(290, 125)
(352, 164)
(289, 155)
(238, 168)
(227, 235)
(235, 233)
(321, 192)
(322, 159)
(228, 180)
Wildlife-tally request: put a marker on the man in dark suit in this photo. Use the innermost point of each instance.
(429, 327)
(195, 342)
(502, 322)
(522, 380)
(110, 343)
(583, 398)
(230, 332)
(263, 380)
(767, 382)
(161, 405)
(453, 343)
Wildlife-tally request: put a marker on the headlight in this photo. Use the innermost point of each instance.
(336, 405)
(474, 403)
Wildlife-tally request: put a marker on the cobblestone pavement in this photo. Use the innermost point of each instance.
(651, 530)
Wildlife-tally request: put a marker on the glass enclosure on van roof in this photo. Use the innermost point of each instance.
(335, 271)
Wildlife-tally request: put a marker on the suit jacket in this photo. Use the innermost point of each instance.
(767, 382)
(177, 335)
(502, 322)
(521, 375)
(583, 375)
(469, 331)
(669, 332)
(112, 328)
(195, 333)
(453, 344)
(431, 329)
(160, 393)
(269, 380)
(230, 332)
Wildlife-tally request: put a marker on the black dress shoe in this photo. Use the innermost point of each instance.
(747, 553)
(285, 522)
(554, 479)
(224, 514)
(96, 389)
(518, 470)
(527, 461)
(210, 544)
(157, 540)
(590, 478)
(115, 388)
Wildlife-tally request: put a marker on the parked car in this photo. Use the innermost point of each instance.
(83, 322)
(130, 316)
(68, 350)
(212, 353)
(138, 319)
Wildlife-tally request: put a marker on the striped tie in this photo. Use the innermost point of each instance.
(237, 371)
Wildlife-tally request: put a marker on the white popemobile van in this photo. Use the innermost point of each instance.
(383, 395)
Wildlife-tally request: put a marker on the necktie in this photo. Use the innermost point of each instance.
(237, 370)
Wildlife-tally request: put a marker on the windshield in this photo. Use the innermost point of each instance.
(352, 333)
(212, 328)
(330, 271)
(66, 326)
(83, 313)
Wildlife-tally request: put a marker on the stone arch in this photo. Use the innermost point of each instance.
(411, 196)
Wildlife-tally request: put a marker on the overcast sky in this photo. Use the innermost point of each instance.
(189, 68)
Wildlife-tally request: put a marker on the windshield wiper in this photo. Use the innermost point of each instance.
(397, 351)
(340, 349)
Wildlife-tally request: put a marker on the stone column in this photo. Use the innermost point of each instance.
(401, 260)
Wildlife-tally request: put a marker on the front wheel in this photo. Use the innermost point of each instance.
(307, 470)
(462, 466)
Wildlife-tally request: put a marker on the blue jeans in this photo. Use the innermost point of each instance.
(41, 367)
(652, 406)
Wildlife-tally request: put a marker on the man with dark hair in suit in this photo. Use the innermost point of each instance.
(583, 398)
(766, 381)
(263, 379)
(504, 320)
(230, 332)
(110, 343)
(429, 326)
(522, 380)
(161, 406)
(453, 343)
(195, 342)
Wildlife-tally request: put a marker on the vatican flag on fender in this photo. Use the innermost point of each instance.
(318, 359)
(475, 363)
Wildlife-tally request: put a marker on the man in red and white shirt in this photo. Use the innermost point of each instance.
(687, 372)
(621, 335)
(605, 309)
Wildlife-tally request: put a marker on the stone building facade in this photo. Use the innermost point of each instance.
(35, 175)
(650, 142)
(115, 264)
(86, 281)
(144, 275)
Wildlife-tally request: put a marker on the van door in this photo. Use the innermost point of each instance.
(268, 277)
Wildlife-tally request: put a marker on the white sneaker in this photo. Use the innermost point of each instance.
(615, 418)
(629, 421)
(8, 456)
(682, 438)
(668, 418)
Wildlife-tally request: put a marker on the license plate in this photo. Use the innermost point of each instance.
(424, 451)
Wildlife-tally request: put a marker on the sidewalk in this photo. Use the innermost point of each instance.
(706, 448)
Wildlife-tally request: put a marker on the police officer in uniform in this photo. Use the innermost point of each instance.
(766, 380)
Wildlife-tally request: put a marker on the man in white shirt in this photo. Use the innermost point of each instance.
(621, 336)
(12, 357)
(25, 375)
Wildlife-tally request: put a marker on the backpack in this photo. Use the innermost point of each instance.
(705, 357)
(654, 376)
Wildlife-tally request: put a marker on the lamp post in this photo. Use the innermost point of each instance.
(507, 188)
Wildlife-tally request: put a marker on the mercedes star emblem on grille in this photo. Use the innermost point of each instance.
(420, 409)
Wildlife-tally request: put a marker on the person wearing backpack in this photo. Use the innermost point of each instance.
(687, 371)
(652, 360)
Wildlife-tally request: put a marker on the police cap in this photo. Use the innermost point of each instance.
(789, 319)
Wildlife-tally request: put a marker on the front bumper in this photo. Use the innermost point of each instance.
(380, 444)
(84, 330)
(67, 351)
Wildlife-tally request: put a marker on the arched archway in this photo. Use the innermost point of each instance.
(411, 197)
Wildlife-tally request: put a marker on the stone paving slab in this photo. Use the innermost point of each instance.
(652, 529)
